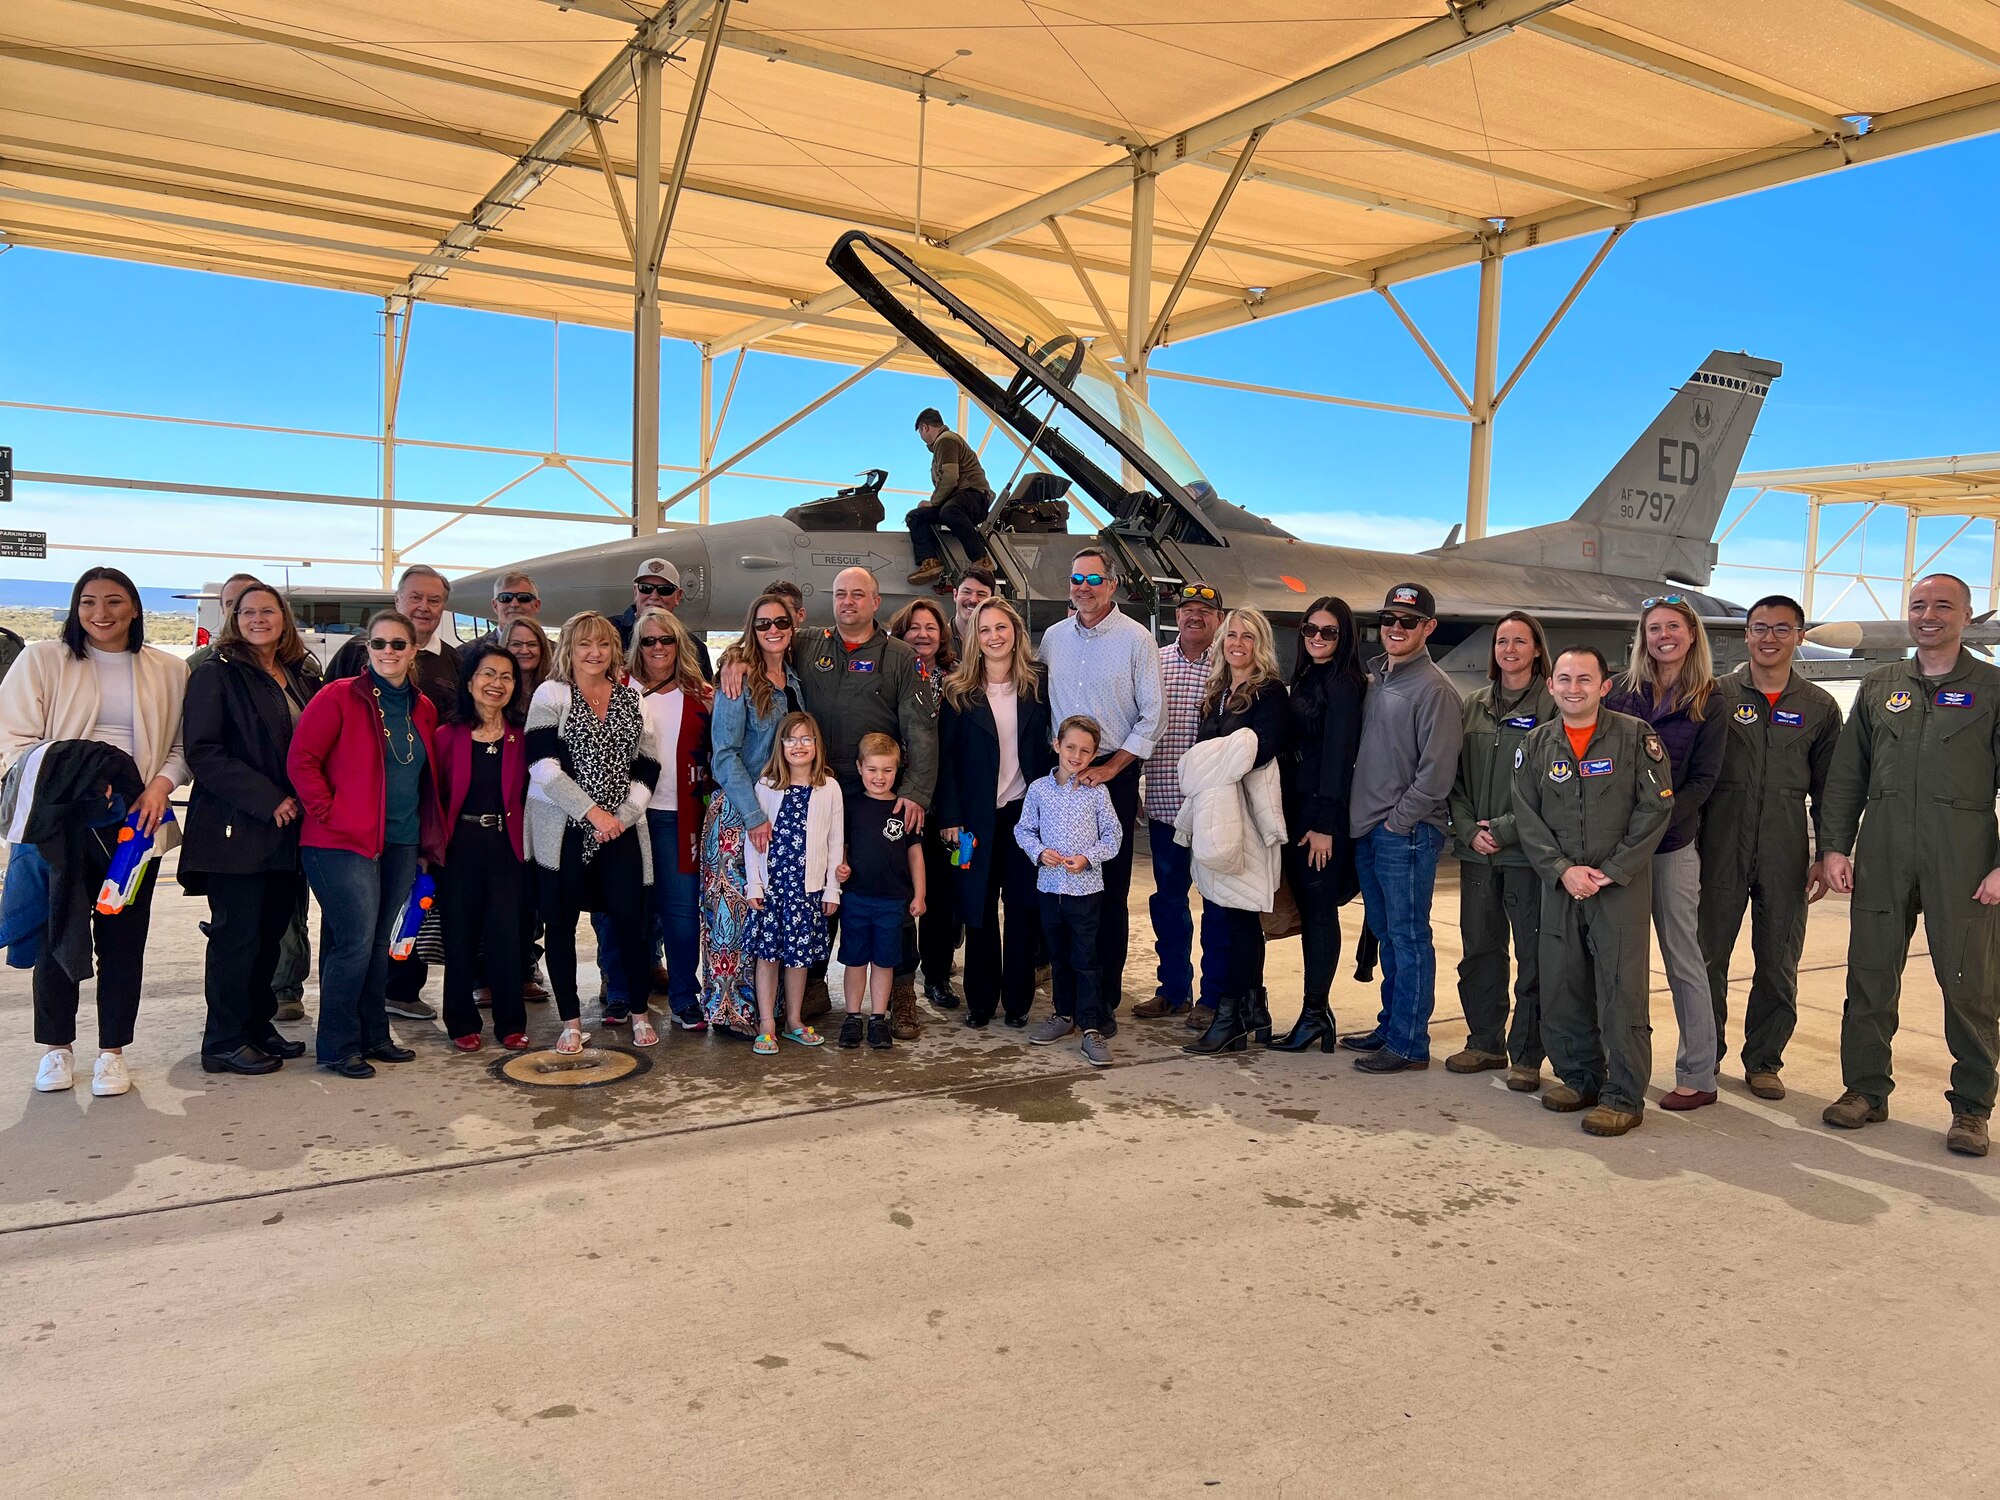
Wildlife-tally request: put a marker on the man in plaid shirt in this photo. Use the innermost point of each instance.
(1184, 665)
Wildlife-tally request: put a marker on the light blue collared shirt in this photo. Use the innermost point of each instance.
(1110, 671)
(1070, 819)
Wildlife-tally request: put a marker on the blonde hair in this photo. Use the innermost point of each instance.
(876, 744)
(968, 678)
(777, 770)
(290, 649)
(584, 625)
(1697, 680)
(687, 665)
(1263, 665)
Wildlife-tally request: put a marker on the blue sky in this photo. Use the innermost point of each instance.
(1872, 286)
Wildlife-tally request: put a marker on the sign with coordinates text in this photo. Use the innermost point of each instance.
(24, 544)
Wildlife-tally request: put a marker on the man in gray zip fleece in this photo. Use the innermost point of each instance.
(1398, 814)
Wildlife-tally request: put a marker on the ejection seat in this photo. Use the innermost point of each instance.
(856, 508)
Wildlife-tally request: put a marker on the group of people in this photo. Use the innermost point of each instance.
(890, 793)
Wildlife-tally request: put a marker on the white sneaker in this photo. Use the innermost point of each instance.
(109, 1076)
(57, 1072)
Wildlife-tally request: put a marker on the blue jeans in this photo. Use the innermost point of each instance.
(676, 899)
(1173, 922)
(611, 958)
(358, 901)
(1398, 872)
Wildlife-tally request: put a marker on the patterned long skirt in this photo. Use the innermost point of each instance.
(728, 974)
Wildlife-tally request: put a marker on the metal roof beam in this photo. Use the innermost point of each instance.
(1477, 164)
(1904, 468)
(1693, 74)
(1360, 197)
(1930, 31)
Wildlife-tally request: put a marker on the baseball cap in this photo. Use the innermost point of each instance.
(1194, 591)
(658, 567)
(1413, 597)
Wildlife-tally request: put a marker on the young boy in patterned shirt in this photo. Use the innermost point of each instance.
(1069, 830)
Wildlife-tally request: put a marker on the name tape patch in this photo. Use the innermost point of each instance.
(859, 665)
(1952, 698)
(1521, 721)
(1597, 767)
(1789, 721)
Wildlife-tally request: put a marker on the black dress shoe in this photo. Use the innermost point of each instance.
(1385, 1061)
(390, 1052)
(1017, 1022)
(1364, 1041)
(940, 995)
(279, 1045)
(356, 1066)
(248, 1058)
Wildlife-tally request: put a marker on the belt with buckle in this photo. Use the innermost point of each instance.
(484, 820)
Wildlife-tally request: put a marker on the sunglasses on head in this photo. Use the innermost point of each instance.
(1661, 599)
(1093, 579)
(771, 622)
(1199, 593)
(1320, 632)
(384, 643)
(515, 598)
(657, 588)
(1400, 621)
(648, 642)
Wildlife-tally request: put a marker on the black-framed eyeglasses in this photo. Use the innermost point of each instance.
(516, 598)
(649, 589)
(1401, 622)
(1320, 632)
(771, 622)
(1199, 593)
(383, 643)
(1661, 599)
(1093, 579)
(649, 642)
(1763, 629)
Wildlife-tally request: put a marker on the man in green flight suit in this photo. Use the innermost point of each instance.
(1593, 794)
(1910, 800)
(1754, 851)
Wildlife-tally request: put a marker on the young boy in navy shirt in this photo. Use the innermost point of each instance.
(882, 887)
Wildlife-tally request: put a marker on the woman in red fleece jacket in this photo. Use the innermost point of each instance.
(361, 762)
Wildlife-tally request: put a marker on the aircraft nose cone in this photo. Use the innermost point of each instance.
(1836, 635)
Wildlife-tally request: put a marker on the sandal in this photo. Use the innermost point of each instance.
(765, 1045)
(571, 1041)
(805, 1036)
(643, 1034)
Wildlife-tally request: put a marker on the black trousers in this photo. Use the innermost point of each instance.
(121, 965)
(1072, 926)
(1000, 963)
(1318, 895)
(960, 513)
(930, 942)
(486, 915)
(1246, 951)
(248, 917)
(614, 882)
(1114, 923)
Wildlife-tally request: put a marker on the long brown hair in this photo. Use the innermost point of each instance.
(290, 649)
(746, 649)
(1697, 680)
(530, 680)
(778, 770)
(1535, 634)
(968, 678)
(947, 654)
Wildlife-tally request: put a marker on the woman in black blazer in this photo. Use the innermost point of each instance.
(1327, 686)
(993, 740)
(241, 845)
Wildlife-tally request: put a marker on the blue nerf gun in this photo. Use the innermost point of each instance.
(422, 897)
(129, 860)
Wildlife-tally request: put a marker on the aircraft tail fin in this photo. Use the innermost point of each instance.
(1653, 515)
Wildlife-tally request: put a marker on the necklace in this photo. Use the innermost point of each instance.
(409, 733)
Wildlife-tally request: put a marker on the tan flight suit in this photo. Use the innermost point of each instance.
(1608, 809)
(1754, 851)
(1499, 895)
(1910, 799)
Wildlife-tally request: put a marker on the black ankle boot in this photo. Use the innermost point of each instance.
(1228, 1032)
(1314, 1026)
(1257, 1015)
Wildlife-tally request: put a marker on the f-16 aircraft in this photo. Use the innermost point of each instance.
(1645, 529)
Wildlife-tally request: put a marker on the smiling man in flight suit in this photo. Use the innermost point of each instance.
(1910, 798)
(1754, 851)
(1593, 794)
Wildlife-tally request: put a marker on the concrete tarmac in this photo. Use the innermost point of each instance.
(975, 1268)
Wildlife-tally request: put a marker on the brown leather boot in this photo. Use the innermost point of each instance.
(1967, 1135)
(1604, 1120)
(1851, 1111)
(1475, 1060)
(903, 1023)
(1565, 1100)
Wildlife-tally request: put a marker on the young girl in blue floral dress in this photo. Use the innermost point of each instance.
(794, 886)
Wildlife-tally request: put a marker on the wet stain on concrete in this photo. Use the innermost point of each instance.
(1279, 1200)
(839, 1348)
(771, 1362)
(902, 1219)
(1049, 1101)
(1303, 1116)
(564, 1410)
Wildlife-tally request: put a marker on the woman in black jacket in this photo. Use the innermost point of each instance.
(1327, 686)
(993, 740)
(241, 846)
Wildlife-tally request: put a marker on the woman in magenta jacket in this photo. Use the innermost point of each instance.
(362, 764)
(483, 775)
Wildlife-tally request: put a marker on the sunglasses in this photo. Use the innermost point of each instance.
(515, 598)
(650, 589)
(1400, 621)
(648, 642)
(1661, 599)
(1199, 591)
(1320, 632)
(1093, 579)
(380, 643)
(771, 622)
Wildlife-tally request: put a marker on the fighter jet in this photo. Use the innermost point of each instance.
(1645, 530)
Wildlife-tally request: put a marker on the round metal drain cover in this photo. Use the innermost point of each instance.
(591, 1068)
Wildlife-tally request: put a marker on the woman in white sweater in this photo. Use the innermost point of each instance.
(99, 681)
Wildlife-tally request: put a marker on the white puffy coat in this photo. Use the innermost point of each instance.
(1232, 820)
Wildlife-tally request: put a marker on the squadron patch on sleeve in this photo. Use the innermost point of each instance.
(1654, 748)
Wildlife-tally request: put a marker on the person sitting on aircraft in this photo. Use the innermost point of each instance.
(657, 585)
(961, 495)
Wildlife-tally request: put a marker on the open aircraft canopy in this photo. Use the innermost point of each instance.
(482, 152)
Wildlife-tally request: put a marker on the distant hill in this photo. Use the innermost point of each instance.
(46, 593)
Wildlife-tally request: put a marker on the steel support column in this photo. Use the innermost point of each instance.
(1139, 275)
(1812, 554)
(1909, 552)
(646, 305)
(1993, 576)
(1485, 373)
(705, 445)
(395, 344)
